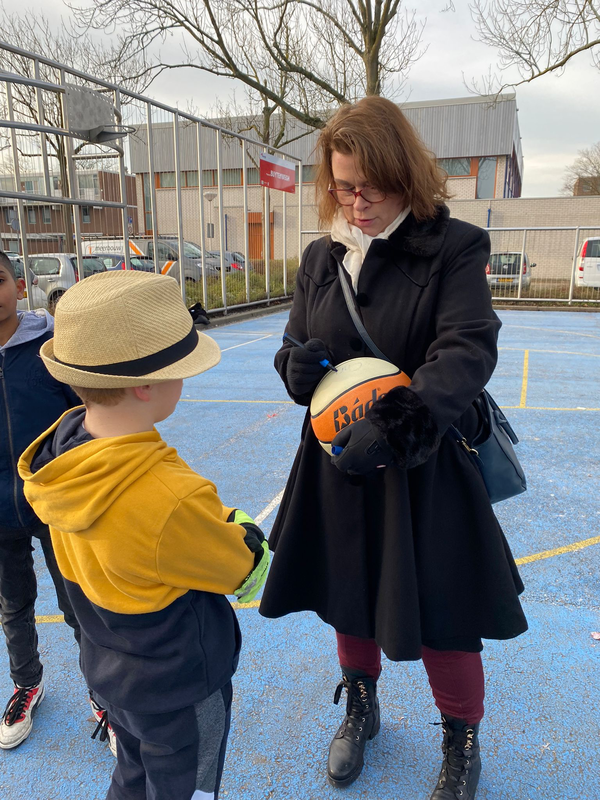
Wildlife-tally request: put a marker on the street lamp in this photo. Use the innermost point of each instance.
(210, 232)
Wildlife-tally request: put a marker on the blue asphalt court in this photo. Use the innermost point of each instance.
(540, 738)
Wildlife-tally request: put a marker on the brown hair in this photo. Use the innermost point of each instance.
(389, 153)
(100, 397)
(7, 264)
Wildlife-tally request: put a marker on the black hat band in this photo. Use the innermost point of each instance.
(143, 366)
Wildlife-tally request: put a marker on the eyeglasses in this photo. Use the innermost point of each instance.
(347, 197)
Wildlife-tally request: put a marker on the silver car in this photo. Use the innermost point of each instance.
(503, 269)
(39, 299)
(57, 272)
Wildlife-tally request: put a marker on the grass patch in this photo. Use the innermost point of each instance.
(235, 285)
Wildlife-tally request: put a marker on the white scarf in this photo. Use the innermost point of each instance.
(357, 242)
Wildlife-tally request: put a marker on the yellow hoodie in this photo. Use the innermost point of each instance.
(132, 524)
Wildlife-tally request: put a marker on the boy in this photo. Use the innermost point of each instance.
(30, 400)
(145, 545)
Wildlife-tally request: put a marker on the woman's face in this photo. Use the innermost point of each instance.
(372, 218)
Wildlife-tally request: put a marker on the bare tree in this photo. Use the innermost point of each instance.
(37, 35)
(535, 37)
(301, 57)
(583, 175)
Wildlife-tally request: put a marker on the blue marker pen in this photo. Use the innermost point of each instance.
(323, 363)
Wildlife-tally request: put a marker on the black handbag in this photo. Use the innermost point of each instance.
(491, 449)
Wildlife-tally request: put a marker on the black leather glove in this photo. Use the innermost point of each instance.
(303, 368)
(364, 449)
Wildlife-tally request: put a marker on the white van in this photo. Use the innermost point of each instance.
(588, 263)
(167, 254)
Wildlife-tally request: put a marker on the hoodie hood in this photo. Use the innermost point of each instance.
(32, 325)
(71, 479)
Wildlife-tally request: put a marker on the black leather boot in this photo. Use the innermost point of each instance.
(461, 766)
(346, 752)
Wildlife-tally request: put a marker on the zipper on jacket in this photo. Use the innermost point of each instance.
(11, 450)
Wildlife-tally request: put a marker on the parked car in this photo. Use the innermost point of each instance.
(167, 254)
(588, 263)
(115, 261)
(234, 260)
(39, 299)
(57, 272)
(503, 269)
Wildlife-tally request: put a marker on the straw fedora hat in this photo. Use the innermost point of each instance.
(125, 328)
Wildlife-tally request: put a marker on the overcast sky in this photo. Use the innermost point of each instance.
(558, 115)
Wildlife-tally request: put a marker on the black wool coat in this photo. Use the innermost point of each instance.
(407, 556)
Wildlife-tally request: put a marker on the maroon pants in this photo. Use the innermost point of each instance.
(456, 678)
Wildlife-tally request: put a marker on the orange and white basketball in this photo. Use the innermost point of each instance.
(345, 396)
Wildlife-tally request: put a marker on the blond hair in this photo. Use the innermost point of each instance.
(389, 153)
(99, 397)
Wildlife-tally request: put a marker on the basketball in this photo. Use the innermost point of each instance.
(345, 396)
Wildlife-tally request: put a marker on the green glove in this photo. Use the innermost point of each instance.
(255, 542)
(253, 583)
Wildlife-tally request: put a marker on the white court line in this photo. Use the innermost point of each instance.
(552, 330)
(271, 507)
(243, 344)
(216, 331)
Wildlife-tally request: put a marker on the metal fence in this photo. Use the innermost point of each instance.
(90, 172)
(540, 265)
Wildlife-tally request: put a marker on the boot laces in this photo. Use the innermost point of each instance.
(456, 748)
(18, 704)
(357, 706)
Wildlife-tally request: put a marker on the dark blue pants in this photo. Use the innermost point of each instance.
(173, 756)
(18, 593)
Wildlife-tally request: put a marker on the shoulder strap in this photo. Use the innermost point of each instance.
(362, 331)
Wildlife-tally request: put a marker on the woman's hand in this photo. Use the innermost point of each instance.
(304, 370)
(364, 449)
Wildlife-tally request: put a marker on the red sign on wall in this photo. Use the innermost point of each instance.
(277, 173)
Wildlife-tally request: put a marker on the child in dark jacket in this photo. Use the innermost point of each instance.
(146, 547)
(30, 400)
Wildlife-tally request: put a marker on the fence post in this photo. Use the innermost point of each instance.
(201, 201)
(284, 244)
(20, 206)
(40, 113)
(73, 185)
(574, 267)
(180, 242)
(246, 235)
(221, 218)
(299, 211)
(522, 263)
(151, 181)
(268, 244)
(123, 186)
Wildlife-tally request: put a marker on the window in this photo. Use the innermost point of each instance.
(232, 177)
(89, 186)
(191, 178)
(46, 215)
(10, 214)
(253, 176)
(165, 180)
(31, 215)
(593, 248)
(309, 173)
(455, 166)
(45, 266)
(85, 214)
(486, 178)
(209, 177)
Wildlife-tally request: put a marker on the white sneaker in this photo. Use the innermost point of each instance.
(17, 719)
(104, 727)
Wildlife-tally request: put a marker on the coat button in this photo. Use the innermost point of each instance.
(362, 299)
(356, 344)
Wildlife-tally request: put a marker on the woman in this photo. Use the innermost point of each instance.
(408, 559)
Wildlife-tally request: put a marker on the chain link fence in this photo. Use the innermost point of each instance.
(95, 177)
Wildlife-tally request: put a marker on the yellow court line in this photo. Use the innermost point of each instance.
(549, 408)
(523, 403)
(552, 352)
(570, 548)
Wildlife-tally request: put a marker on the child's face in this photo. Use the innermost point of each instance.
(11, 290)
